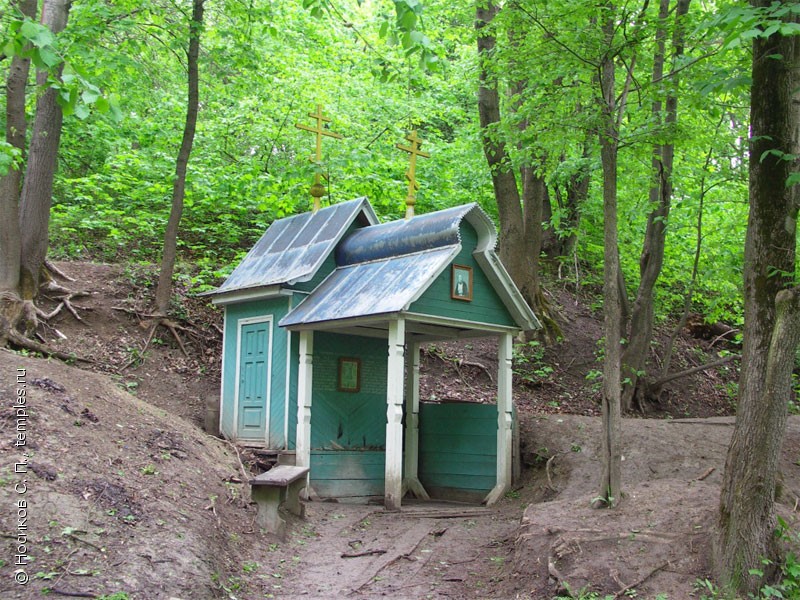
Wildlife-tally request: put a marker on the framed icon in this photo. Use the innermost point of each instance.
(349, 374)
(461, 283)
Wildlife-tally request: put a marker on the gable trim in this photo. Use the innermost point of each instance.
(248, 294)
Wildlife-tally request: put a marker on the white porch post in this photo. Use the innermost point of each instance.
(304, 384)
(504, 419)
(394, 416)
(411, 461)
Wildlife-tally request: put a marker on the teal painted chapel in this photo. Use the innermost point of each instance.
(324, 320)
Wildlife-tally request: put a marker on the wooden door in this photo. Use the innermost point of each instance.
(253, 381)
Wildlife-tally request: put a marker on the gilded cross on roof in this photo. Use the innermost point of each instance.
(411, 174)
(317, 189)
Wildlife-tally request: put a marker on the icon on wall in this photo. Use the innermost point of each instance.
(461, 283)
(349, 374)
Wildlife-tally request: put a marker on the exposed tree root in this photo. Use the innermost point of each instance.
(49, 266)
(173, 329)
(547, 471)
(673, 376)
(21, 341)
(65, 301)
(484, 368)
(641, 580)
(56, 292)
(152, 322)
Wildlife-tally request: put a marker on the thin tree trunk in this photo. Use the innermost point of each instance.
(37, 190)
(611, 454)
(164, 289)
(10, 187)
(746, 516)
(503, 179)
(652, 257)
(576, 191)
(654, 389)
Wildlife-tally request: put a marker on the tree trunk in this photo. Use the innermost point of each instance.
(746, 517)
(10, 185)
(520, 239)
(652, 257)
(503, 179)
(655, 388)
(747, 525)
(164, 289)
(562, 243)
(611, 453)
(37, 190)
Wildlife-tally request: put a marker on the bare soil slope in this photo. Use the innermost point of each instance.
(658, 540)
(119, 495)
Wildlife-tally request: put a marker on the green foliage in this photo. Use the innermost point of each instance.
(529, 362)
(380, 69)
(583, 594)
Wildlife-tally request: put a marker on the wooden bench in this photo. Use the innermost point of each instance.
(276, 488)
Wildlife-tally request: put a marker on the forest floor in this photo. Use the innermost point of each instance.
(126, 493)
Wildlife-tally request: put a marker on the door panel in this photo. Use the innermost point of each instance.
(253, 381)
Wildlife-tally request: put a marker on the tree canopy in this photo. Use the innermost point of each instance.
(380, 69)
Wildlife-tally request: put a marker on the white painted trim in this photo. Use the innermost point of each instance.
(505, 406)
(395, 384)
(341, 323)
(287, 393)
(222, 374)
(411, 480)
(458, 323)
(484, 227)
(305, 380)
(245, 295)
(239, 324)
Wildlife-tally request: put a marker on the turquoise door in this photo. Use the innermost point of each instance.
(253, 381)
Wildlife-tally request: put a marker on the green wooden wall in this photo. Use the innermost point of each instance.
(348, 429)
(485, 306)
(348, 474)
(277, 307)
(458, 449)
(348, 419)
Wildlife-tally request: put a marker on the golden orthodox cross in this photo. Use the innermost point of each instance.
(411, 174)
(317, 189)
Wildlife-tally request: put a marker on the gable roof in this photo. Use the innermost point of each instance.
(383, 269)
(293, 248)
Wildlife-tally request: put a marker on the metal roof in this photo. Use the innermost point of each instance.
(372, 288)
(293, 248)
(405, 236)
(383, 269)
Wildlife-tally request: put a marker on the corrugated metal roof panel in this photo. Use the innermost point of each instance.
(372, 288)
(292, 249)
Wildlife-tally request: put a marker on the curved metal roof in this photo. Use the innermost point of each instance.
(406, 236)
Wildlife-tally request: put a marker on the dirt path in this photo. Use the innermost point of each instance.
(428, 550)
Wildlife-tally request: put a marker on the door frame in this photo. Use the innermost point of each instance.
(253, 321)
